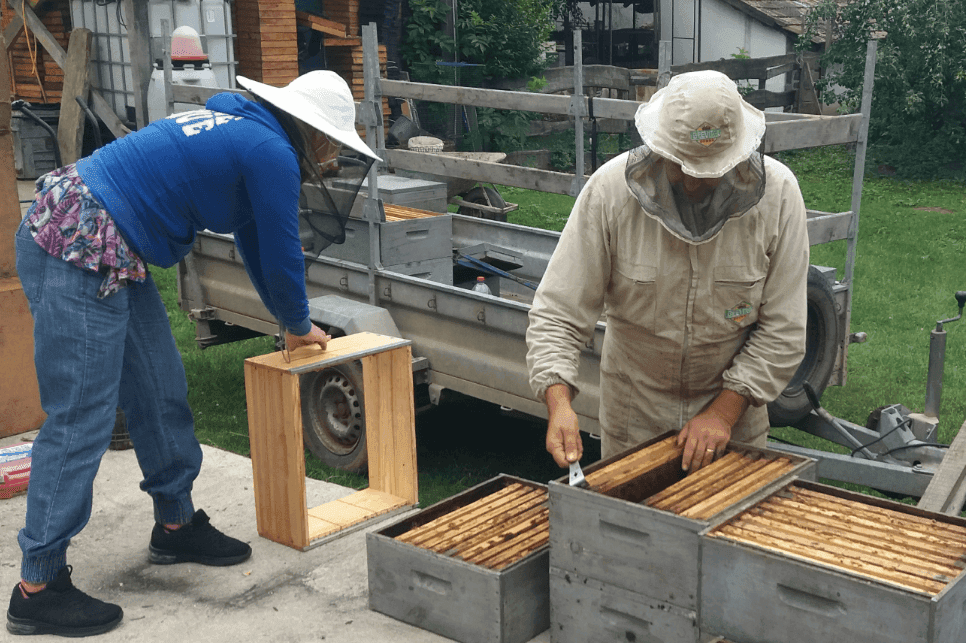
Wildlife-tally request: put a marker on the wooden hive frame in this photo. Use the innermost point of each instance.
(278, 458)
(494, 531)
(699, 495)
(914, 552)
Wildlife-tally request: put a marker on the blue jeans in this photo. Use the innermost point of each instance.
(93, 355)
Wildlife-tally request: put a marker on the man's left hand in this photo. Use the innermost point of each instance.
(706, 436)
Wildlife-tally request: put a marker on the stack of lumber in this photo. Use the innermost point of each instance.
(266, 45)
(721, 484)
(344, 12)
(345, 57)
(912, 551)
(493, 532)
(35, 77)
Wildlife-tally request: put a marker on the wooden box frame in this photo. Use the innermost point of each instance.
(275, 431)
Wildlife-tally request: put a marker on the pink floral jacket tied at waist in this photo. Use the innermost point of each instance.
(68, 222)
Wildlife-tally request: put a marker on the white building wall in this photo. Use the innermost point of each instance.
(725, 31)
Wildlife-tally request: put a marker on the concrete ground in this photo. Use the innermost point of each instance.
(278, 595)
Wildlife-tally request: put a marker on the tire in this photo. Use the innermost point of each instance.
(483, 196)
(821, 346)
(333, 416)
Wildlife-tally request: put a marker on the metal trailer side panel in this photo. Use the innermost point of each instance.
(474, 342)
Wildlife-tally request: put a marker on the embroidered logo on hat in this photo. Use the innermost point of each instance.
(739, 312)
(706, 135)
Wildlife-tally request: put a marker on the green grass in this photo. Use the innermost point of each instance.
(910, 261)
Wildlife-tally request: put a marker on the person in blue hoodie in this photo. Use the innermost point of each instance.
(101, 333)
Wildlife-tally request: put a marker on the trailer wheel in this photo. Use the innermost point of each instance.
(483, 196)
(821, 347)
(333, 417)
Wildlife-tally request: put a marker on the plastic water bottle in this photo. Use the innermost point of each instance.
(480, 286)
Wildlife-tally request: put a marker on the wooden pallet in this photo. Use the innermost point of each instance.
(912, 551)
(493, 532)
(273, 396)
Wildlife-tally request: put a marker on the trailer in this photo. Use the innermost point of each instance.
(409, 275)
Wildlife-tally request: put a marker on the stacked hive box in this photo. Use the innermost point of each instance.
(816, 563)
(266, 45)
(412, 240)
(625, 553)
(35, 76)
(472, 568)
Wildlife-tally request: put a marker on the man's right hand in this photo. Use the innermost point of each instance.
(563, 433)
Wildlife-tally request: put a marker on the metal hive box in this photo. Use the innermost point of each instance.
(608, 532)
(817, 563)
(473, 568)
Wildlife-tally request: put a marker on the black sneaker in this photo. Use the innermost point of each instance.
(196, 542)
(60, 609)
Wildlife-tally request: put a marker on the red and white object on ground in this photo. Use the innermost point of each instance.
(14, 468)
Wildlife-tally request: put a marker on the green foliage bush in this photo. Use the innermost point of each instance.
(504, 36)
(918, 120)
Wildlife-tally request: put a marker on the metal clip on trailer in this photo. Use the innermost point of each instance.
(897, 452)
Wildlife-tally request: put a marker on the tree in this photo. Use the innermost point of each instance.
(503, 36)
(918, 122)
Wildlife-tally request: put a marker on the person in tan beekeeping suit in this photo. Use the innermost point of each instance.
(694, 246)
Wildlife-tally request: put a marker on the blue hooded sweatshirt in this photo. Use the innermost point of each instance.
(229, 168)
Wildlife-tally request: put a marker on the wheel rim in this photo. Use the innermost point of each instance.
(336, 412)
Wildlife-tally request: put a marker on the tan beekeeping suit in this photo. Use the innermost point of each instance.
(684, 319)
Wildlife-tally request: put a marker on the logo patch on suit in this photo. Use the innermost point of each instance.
(739, 312)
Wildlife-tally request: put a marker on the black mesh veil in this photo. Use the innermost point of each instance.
(327, 201)
(329, 192)
(694, 222)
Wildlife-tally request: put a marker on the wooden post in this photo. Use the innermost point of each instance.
(139, 44)
(278, 458)
(70, 128)
(946, 491)
(9, 201)
(19, 396)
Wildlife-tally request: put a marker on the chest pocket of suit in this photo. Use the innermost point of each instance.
(736, 296)
(633, 292)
